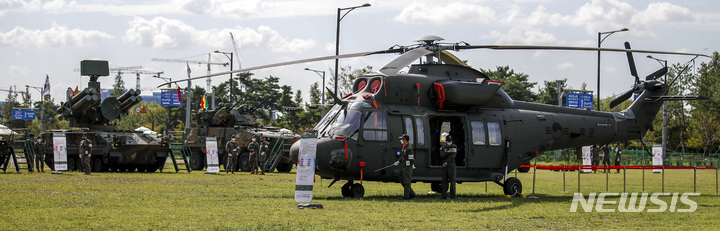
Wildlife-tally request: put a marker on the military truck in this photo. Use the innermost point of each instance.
(113, 149)
(237, 120)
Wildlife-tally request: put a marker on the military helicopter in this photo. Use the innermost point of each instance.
(494, 133)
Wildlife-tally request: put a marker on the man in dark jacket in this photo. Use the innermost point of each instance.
(85, 153)
(448, 152)
(232, 148)
(406, 158)
(39, 155)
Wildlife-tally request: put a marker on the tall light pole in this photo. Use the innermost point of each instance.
(598, 60)
(232, 97)
(664, 129)
(42, 105)
(337, 38)
(323, 89)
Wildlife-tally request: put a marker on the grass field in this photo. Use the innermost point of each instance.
(198, 201)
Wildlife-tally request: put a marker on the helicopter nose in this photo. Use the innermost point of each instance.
(329, 157)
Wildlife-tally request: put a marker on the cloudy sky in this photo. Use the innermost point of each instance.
(39, 38)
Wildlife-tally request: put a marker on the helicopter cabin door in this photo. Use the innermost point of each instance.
(442, 126)
(487, 144)
(415, 128)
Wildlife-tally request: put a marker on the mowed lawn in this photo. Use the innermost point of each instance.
(198, 201)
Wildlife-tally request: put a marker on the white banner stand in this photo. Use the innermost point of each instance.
(306, 169)
(657, 158)
(60, 161)
(211, 147)
(587, 158)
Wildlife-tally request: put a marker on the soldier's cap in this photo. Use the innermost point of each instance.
(448, 138)
(84, 135)
(405, 137)
(31, 135)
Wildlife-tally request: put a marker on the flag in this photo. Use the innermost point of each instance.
(188, 67)
(46, 89)
(179, 95)
(75, 92)
(203, 102)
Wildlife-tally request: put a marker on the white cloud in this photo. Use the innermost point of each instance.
(56, 36)
(17, 70)
(453, 13)
(164, 33)
(663, 12)
(523, 35)
(565, 66)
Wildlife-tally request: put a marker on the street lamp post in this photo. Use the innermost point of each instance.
(232, 97)
(598, 60)
(42, 106)
(323, 89)
(664, 129)
(337, 38)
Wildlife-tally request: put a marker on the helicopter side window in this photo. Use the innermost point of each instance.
(409, 130)
(420, 131)
(494, 133)
(375, 127)
(478, 132)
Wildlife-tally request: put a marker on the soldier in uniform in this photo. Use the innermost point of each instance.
(618, 155)
(595, 151)
(232, 148)
(264, 152)
(30, 153)
(253, 147)
(85, 152)
(406, 158)
(606, 156)
(39, 155)
(448, 152)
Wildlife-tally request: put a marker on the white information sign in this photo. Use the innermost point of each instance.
(211, 145)
(587, 158)
(60, 152)
(657, 157)
(306, 167)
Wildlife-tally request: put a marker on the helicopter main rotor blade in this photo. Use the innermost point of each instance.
(287, 63)
(631, 62)
(529, 47)
(398, 63)
(621, 98)
(657, 74)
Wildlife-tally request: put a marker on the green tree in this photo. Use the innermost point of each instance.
(548, 94)
(705, 126)
(155, 118)
(7, 108)
(516, 85)
(118, 86)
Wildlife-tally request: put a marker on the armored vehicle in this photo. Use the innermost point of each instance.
(233, 120)
(113, 149)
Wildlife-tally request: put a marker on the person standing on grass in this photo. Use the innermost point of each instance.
(39, 155)
(448, 152)
(30, 153)
(618, 155)
(595, 151)
(264, 152)
(85, 153)
(606, 157)
(406, 158)
(253, 148)
(232, 148)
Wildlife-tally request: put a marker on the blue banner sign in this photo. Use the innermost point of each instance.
(170, 98)
(578, 100)
(23, 115)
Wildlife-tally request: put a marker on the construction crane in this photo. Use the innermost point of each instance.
(209, 82)
(138, 73)
(115, 69)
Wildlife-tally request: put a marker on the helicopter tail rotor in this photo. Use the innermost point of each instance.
(638, 85)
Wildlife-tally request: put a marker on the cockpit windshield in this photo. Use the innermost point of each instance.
(342, 121)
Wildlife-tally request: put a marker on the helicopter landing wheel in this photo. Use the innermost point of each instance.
(512, 187)
(357, 190)
(345, 189)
